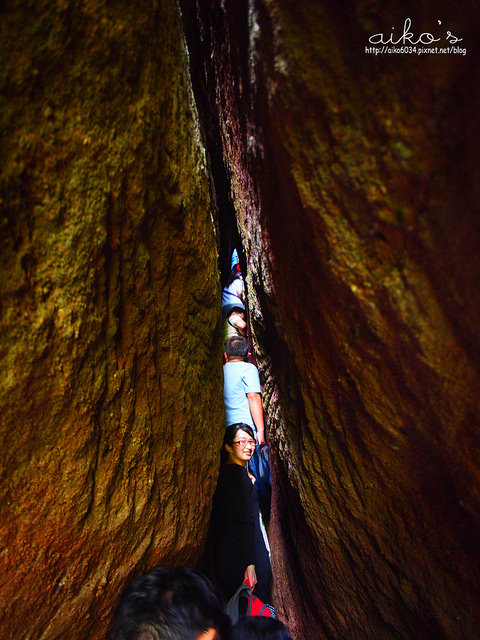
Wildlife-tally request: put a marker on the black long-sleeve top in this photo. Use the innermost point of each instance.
(235, 509)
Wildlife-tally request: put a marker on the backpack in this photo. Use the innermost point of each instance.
(255, 607)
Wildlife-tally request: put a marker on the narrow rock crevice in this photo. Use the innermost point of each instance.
(343, 179)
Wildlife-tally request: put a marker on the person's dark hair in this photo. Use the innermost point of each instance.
(168, 604)
(232, 430)
(237, 347)
(259, 628)
(236, 310)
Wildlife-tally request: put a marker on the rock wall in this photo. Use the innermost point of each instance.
(110, 393)
(355, 182)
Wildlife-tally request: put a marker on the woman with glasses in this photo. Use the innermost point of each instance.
(239, 547)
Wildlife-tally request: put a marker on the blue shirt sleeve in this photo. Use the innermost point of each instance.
(251, 379)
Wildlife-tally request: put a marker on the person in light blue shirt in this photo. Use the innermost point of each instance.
(241, 388)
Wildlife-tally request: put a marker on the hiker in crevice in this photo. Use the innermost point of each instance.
(233, 291)
(241, 388)
(231, 300)
(243, 403)
(239, 542)
(233, 308)
(234, 324)
(234, 287)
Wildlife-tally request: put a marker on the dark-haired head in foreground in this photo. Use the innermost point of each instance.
(259, 628)
(169, 604)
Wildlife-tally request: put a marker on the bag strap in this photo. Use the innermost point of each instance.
(232, 606)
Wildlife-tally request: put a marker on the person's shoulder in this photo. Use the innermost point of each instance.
(250, 368)
(235, 471)
(232, 475)
(232, 469)
(238, 365)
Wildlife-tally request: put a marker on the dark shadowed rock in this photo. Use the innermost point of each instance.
(110, 393)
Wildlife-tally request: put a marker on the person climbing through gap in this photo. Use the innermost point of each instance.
(243, 403)
(232, 293)
(234, 312)
(239, 543)
(234, 324)
(235, 283)
(241, 388)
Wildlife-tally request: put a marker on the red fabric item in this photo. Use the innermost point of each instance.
(256, 607)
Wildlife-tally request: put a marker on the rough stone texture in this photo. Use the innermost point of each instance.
(110, 392)
(355, 181)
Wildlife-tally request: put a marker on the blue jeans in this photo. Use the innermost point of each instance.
(259, 467)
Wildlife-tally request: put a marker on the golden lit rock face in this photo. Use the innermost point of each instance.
(354, 180)
(110, 393)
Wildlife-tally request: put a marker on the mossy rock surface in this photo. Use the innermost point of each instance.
(109, 339)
